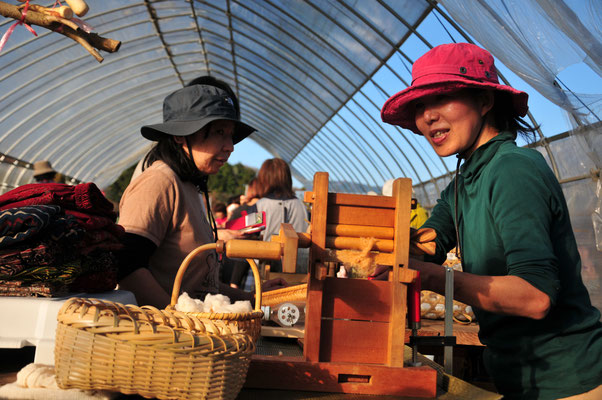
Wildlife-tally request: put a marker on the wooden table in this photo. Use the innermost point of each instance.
(465, 334)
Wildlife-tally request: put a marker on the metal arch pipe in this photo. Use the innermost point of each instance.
(90, 116)
(342, 172)
(93, 133)
(343, 160)
(285, 95)
(346, 175)
(327, 44)
(55, 69)
(292, 77)
(334, 135)
(77, 167)
(198, 30)
(267, 72)
(232, 42)
(65, 133)
(102, 155)
(367, 156)
(365, 141)
(57, 100)
(392, 157)
(153, 17)
(360, 163)
(83, 139)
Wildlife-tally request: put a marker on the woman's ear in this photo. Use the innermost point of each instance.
(179, 139)
(487, 99)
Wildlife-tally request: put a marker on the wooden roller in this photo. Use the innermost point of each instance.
(344, 242)
(378, 232)
(423, 235)
(253, 249)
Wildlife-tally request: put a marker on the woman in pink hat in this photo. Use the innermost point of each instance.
(506, 213)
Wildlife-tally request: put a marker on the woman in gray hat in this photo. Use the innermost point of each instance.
(161, 209)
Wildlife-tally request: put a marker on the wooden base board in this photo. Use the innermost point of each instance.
(283, 331)
(294, 373)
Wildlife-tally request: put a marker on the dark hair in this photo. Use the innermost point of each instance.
(173, 154)
(275, 179)
(504, 118)
(212, 81)
(219, 207)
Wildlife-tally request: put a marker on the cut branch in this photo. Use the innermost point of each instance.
(90, 41)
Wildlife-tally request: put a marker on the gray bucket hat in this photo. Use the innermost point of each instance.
(191, 108)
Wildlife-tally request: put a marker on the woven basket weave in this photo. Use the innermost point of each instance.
(144, 351)
(249, 322)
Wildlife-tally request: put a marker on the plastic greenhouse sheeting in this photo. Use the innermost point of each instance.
(311, 76)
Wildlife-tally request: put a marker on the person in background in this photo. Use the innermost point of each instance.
(279, 202)
(43, 172)
(162, 211)
(418, 215)
(233, 204)
(219, 212)
(235, 271)
(251, 197)
(506, 212)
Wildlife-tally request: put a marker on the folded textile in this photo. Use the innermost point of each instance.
(94, 222)
(99, 273)
(39, 289)
(84, 197)
(21, 223)
(19, 258)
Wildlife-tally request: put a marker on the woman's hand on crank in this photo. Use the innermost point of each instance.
(272, 284)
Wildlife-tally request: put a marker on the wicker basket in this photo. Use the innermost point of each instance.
(291, 293)
(249, 322)
(144, 351)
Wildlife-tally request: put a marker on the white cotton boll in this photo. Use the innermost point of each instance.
(241, 306)
(456, 307)
(468, 310)
(440, 308)
(425, 306)
(188, 304)
(215, 303)
(37, 376)
(431, 316)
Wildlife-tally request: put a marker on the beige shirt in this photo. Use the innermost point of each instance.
(160, 207)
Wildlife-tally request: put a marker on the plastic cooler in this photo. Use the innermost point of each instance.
(31, 321)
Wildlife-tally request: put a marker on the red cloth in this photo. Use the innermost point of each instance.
(85, 197)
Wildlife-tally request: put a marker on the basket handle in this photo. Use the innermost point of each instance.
(175, 293)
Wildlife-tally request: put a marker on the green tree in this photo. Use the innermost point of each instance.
(116, 189)
(230, 181)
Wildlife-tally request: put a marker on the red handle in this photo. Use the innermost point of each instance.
(414, 302)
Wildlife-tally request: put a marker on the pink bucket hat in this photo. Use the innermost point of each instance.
(446, 69)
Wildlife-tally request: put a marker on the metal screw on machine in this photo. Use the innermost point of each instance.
(448, 355)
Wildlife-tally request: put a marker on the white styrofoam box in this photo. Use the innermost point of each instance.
(31, 321)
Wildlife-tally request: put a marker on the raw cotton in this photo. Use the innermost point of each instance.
(214, 303)
(361, 263)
